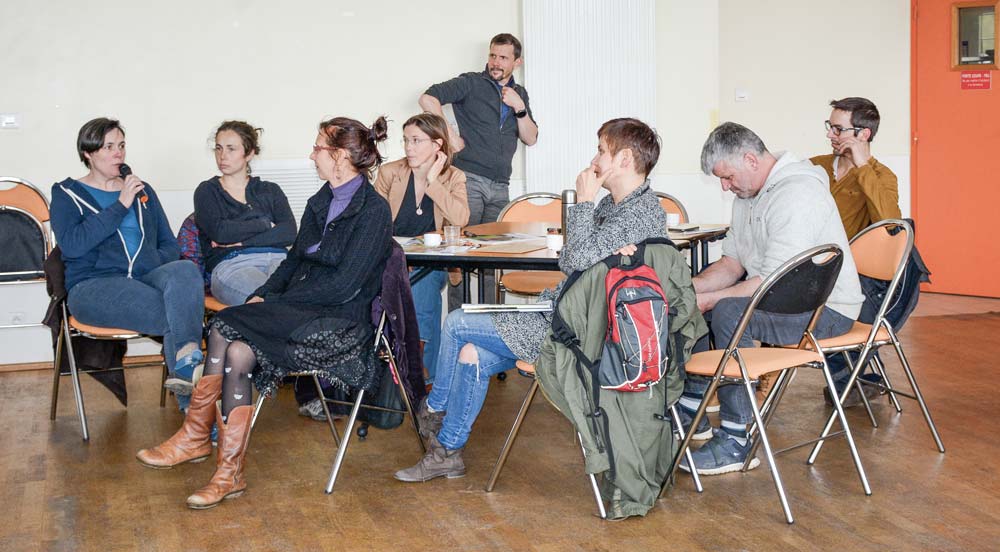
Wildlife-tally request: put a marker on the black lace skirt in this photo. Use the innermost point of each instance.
(293, 337)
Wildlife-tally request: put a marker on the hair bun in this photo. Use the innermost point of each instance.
(380, 130)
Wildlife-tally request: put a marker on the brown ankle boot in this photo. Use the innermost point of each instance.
(190, 443)
(227, 481)
(438, 462)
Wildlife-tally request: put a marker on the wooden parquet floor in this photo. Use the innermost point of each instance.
(58, 493)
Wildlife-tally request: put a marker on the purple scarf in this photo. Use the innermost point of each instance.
(341, 197)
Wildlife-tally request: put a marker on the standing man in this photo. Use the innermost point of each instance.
(492, 113)
(782, 208)
(866, 192)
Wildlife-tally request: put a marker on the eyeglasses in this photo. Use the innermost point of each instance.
(413, 141)
(837, 129)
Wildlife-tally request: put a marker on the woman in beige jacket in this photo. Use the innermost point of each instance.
(425, 193)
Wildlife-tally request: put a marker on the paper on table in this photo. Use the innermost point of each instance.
(501, 238)
(544, 306)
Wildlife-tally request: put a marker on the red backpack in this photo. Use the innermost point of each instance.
(634, 356)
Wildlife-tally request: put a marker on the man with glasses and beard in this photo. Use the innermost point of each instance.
(866, 192)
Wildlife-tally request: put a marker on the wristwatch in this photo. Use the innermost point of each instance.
(521, 114)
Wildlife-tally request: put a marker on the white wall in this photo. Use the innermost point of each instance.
(795, 56)
(172, 71)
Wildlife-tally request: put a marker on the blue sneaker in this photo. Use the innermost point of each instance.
(704, 430)
(722, 454)
(186, 371)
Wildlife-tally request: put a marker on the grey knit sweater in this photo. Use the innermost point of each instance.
(593, 234)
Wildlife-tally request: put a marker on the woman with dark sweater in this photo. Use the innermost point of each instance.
(313, 313)
(244, 223)
(123, 267)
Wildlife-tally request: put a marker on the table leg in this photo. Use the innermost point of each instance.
(704, 255)
(466, 295)
(695, 265)
(481, 287)
(419, 274)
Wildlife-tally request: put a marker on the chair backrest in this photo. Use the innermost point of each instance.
(882, 251)
(26, 245)
(524, 209)
(878, 253)
(671, 204)
(15, 192)
(799, 286)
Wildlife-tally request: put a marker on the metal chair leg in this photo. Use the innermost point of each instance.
(916, 391)
(866, 403)
(768, 409)
(863, 355)
(762, 431)
(686, 442)
(342, 449)
(877, 363)
(861, 390)
(75, 375)
(679, 429)
(839, 409)
(56, 365)
(509, 442)
(593, 484)
(401, 389)
(256, 410)
(163, 390)
(326, 409)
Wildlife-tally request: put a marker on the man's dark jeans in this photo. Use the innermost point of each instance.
(903, 303)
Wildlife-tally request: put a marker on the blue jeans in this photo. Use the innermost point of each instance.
(168, 301)
(233, 280)
(427, 301)
(766, 327)
(903, 303)
(460, 389)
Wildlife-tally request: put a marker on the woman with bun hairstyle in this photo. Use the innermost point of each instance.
(313, 313)
(245, 224)
(425, 193)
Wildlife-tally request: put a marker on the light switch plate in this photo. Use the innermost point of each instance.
(10, 121)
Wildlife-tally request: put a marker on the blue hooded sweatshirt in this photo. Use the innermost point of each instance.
(90, 240)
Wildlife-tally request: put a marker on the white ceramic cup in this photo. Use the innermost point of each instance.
(673, 219)
(432, 239)
(554, 241)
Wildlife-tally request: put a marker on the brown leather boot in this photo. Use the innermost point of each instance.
(190, 443)
(227, 481)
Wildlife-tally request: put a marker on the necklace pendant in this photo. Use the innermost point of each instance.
(419, 211)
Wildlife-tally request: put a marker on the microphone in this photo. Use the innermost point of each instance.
(123, 171)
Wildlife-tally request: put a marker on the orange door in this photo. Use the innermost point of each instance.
(954, 170)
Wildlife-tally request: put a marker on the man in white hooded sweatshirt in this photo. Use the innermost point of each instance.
(783, 206)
